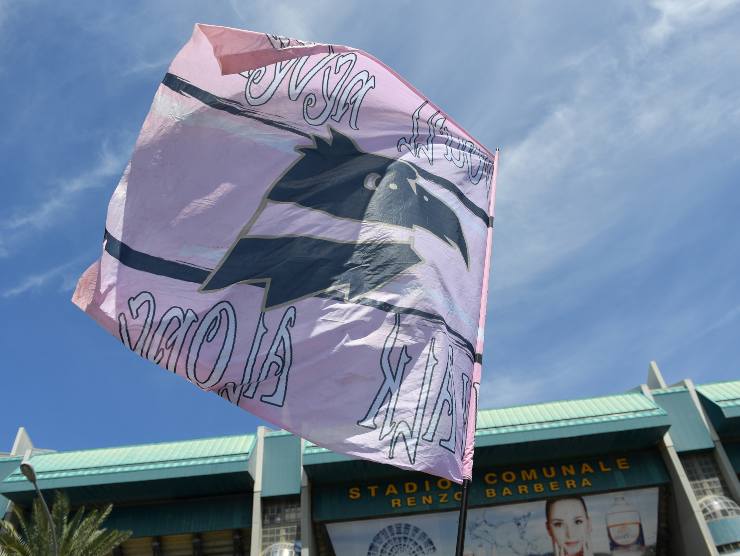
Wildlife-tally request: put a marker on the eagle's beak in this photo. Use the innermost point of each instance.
(439, 219)
(412, 183)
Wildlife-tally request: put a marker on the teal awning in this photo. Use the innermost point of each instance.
(733, 452)
(183, 516)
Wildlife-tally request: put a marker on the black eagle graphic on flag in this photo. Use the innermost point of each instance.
(339, 179)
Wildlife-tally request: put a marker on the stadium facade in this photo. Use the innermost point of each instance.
(651, 471)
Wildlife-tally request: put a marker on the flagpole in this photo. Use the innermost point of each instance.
(477, 366)
(462, 519)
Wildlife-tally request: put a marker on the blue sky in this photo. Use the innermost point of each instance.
(617, 238)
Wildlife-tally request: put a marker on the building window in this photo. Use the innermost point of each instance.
(704, 476)
(712, 493)
(281, 525)
(716, 506)
(732, 548)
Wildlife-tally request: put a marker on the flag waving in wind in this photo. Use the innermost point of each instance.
(303, 233)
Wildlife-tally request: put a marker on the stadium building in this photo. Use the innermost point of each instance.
(653, 471)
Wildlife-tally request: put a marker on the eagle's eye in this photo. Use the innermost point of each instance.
(371, 181)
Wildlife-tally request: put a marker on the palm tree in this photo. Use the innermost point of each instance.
(80, 536)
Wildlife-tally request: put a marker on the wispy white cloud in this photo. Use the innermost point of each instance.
(678, 15)
(726, 318)
(238, 9)
(299, 21)
(507, 390)
(4, 7)
(146, 66)
(5, 15)
(558, 191)
(155, 46)
(562, 370)
(63, 276)
(61, 196)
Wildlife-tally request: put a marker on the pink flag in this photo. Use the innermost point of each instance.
(302, 232)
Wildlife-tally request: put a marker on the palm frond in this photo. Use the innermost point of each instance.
(10, 541)
(82, 535)
(107, 541)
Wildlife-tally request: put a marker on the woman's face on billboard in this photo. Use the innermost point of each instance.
(569, 527)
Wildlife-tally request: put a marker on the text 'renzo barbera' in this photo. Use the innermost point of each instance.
(177, 336)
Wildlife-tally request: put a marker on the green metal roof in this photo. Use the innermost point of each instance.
(669, 389)
(144, 462)
(565, 414)
(279, 432)
(724, 394)
(311, 448)
(722, 403)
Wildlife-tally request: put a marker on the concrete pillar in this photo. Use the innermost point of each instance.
(690, 534)
(723, 461)
(22, 443)
(255, 546)
(308, 544)
(655, 377)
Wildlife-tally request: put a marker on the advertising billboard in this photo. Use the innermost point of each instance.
(622, 523)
